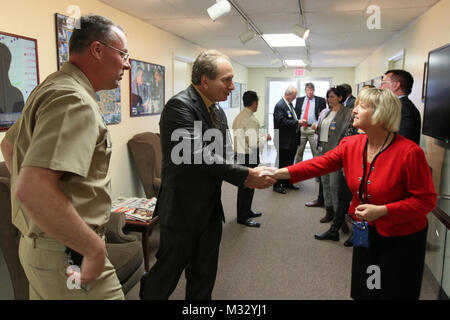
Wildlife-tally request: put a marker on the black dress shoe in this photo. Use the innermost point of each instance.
(142, 288)
(279, 189)
(250, 223)
(327, 235)
(291, 186)
(253, 214)
(349, 241)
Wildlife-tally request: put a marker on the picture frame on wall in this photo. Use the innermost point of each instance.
(109, 101)
(147, 88)
(236, 96)
(19, 74)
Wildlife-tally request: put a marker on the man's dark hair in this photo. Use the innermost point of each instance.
(338, 91)
(206, 65)
(309, 85)
(249, 97)
(92, 28)
(404, 77)
(348, 88)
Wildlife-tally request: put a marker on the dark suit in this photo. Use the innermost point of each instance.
(319, 102)
(350, 102)
(307, 134)
(410, 122)
(286, 137)
(189, 203)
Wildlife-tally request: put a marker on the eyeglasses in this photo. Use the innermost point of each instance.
(123, 54)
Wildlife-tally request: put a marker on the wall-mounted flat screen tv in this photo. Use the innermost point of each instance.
(436, 115)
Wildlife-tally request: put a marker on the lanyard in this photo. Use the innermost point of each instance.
(363, 196)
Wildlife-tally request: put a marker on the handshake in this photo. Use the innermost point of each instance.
(261, 177)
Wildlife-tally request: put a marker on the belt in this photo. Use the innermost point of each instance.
(53, 245)
(46, 244)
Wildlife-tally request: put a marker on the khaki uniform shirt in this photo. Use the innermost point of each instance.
(61, 129)
(246, 133)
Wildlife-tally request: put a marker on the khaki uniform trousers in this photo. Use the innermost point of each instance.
(45, 265)
(306, 135)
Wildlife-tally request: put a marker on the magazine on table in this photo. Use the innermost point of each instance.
(138, 209)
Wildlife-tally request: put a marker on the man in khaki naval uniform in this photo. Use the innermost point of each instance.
(58, 154)
(247, 143)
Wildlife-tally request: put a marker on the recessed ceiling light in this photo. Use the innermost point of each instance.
(284, 40)
(295, 63)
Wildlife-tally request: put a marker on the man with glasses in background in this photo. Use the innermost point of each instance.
(400, 82)
(58, 153)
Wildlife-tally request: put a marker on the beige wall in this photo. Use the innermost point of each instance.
(35, 19)
(257, 80)
(428, 32)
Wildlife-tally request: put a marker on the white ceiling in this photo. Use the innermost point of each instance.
(339, 33)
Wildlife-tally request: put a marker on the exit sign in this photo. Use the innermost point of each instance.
(299, 72)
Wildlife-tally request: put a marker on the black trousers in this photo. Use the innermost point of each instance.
(245, 195)
(345, 197)
(286, 158)
(400, 260)
(192, 250)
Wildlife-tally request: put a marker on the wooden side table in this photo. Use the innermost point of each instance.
(145, 228)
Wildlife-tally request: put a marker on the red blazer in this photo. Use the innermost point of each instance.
(400, 179)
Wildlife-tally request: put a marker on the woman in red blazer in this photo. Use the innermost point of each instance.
(392, 189)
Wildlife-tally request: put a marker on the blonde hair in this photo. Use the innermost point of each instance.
(386, 106)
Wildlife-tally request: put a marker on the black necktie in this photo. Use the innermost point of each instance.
(214, 114)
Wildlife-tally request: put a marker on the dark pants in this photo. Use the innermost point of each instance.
(320, 198)
(245, 195)
(195, 251)
(345, 197)
(400, 260)
(286, 158)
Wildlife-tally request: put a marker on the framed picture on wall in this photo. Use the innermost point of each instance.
(108, 100)
(243, 89)
(19, 75)
(225, 104)
(146, 88)
(236, 96)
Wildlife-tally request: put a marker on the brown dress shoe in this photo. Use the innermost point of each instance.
(328, 216)
(314, 203)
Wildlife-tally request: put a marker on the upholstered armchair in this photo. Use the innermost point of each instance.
(146, 151)
(124, 251)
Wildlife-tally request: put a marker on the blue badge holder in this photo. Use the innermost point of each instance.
(361, 234)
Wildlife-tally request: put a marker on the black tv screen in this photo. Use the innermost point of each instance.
(436, 115)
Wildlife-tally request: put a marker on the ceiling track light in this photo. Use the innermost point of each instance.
(247, 35)
(256, 29)
(275, 61)
(299, 29)
(221, 8)
(307, 61)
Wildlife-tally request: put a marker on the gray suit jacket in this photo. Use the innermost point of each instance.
(343, 120)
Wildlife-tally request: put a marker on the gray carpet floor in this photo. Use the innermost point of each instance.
(281, 260)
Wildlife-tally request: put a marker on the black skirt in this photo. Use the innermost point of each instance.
(390, 269)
